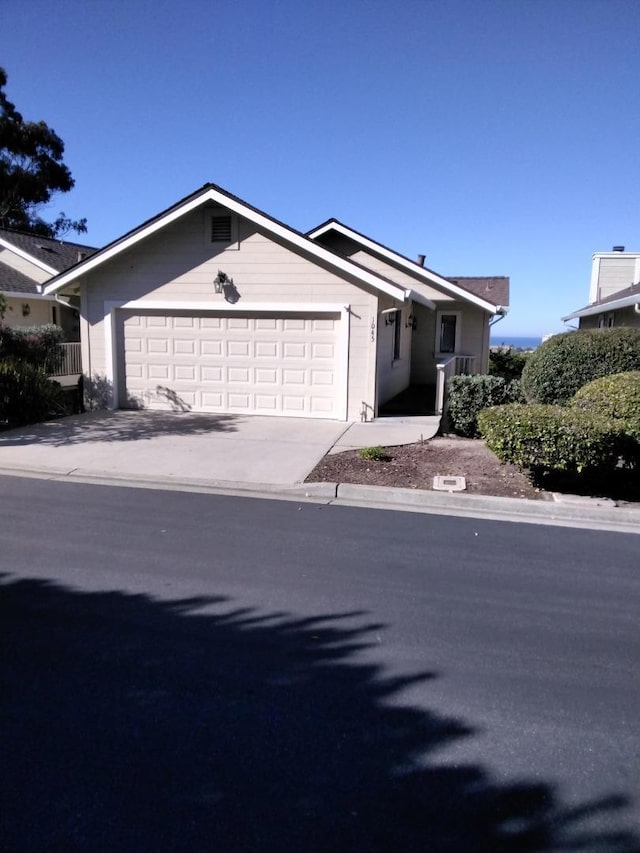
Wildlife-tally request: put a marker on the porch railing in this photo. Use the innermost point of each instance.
(455, 365)
(71, 361)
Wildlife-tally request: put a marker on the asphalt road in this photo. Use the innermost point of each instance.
(193, 672)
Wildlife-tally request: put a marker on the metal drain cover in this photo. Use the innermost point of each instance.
(449, 484)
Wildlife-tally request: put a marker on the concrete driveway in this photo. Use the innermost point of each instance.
(172, 446)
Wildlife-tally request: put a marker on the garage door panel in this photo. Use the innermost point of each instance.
(262, 364)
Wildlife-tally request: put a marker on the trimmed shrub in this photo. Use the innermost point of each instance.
(542, 438)
(616, 397)
(469, 395)
(373, 454)
(27, 395)
(37, 345)
(564, 363)
(507, 363)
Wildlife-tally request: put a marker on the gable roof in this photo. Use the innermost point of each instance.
(494, 288)
(213, 193)
(46, 252)
(49, 255)
(477, 290)
(620, 299)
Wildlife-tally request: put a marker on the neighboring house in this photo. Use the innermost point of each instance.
(27, 261)
(614, 294)
(215, 306)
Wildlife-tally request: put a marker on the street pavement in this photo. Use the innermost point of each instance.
(191, 671)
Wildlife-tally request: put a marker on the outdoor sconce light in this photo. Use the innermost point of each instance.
(220, 280)
(26, 309)
(224, 285)
(411, 323)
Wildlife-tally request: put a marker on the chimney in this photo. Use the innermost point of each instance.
(618, 248)
(421, 260)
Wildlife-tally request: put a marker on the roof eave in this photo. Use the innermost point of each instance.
(27, 257)
(215, 194)
(406, 263)
(604, 307)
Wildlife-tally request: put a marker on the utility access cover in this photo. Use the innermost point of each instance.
(449, 484)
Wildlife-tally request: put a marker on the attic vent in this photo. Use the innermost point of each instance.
(221, 229)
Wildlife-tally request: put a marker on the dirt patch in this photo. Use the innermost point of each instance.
(413, 466)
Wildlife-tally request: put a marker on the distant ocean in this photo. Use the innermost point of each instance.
(520, 343)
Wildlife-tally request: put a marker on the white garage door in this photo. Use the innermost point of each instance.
(249, 363)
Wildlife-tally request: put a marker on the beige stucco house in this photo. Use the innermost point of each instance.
(614, 292)
(215, 306)
(27, 261)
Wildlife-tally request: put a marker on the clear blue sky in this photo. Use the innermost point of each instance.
(494, 136)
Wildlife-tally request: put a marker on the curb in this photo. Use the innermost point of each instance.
(581, 511)
(567, 510)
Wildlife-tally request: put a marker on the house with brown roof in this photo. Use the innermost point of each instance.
(213, 305)
(27, 261)
(614, 292)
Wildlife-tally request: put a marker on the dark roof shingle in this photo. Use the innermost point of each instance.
(58, 254)
(493, 288)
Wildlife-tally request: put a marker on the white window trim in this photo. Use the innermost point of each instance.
(213, 212)
(439, 316)
(111, 348)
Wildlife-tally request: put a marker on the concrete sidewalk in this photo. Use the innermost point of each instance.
(388, 432)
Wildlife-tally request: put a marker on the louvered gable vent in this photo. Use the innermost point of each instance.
(221, 228)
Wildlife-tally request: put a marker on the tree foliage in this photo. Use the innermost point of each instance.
(31, 172)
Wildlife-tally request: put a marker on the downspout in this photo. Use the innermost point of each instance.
(500, 314)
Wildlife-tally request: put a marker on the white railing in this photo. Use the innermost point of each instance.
(71, 362)
(455, 365)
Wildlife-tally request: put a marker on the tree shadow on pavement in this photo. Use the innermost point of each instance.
(106, 426)
(134, 724)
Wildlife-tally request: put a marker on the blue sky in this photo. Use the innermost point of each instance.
(497, 137)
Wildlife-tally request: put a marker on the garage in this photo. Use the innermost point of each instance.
(245, 363)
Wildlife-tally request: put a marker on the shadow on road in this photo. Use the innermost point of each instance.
(134, 724)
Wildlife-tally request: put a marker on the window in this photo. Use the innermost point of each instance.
(397, 330)
(448, 332)
(606, 321)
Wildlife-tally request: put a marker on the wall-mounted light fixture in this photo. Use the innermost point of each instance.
(224, 285)
(220, 280)
(411, 323)
(26, 309)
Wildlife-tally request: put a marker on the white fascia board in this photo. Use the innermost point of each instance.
(416, 296)
(27, 257)
(408, 265)
(605, 307)
(259, 219)
(25, 297)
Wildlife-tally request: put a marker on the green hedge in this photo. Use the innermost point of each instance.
(507, 362)
(469, 395)
(616, 397)
(36, 345)
(542, 438)
(561, 365)
(27, 395)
